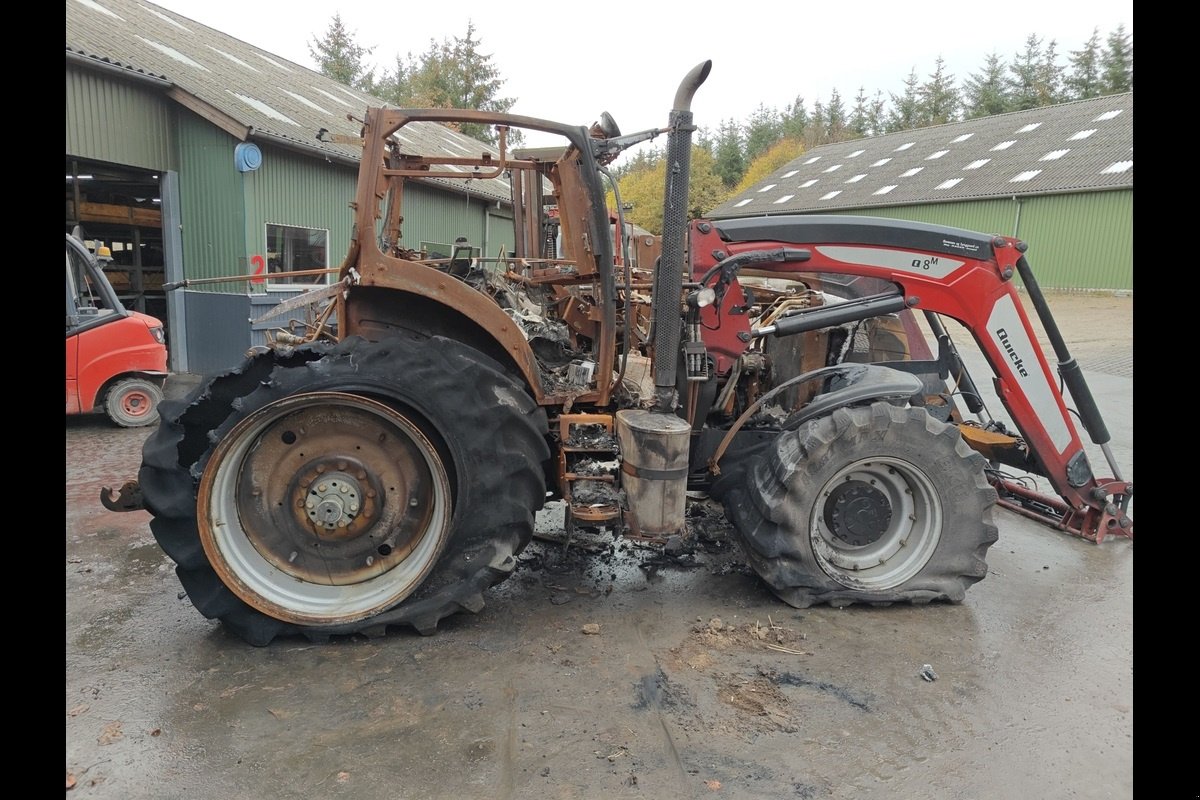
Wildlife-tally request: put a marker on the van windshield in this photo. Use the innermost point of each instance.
(89, 294)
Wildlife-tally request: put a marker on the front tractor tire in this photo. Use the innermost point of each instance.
(342, 489)
(871, 504)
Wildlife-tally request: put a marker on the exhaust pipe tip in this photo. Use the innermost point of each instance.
(690, 83)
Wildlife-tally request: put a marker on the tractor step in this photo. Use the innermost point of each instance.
(589, 461)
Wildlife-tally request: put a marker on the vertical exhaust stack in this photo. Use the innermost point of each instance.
(654, 444)
(668, 278)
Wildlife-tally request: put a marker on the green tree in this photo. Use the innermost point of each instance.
(794, 120)
(1049, 76)
(1025, 76)
(906, 109)
(705, 189)
(452, 73)
(644, 158)
(1117, 62)
(1084, 79)
(835, 118)
(727, 152)
(817, 125)
(340, 57)
(986, 92)
(763, 129)
(866, 118)
(937, 98)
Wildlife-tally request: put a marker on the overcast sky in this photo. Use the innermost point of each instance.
(570, 61)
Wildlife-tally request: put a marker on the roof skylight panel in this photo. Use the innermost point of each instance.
(175, 54)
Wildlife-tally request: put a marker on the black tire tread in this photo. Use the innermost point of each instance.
(481, 412)
(757, 492)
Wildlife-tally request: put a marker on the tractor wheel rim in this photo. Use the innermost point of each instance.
(324, 508)
(876, 523)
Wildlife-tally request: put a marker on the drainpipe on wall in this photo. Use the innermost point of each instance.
(1017, 221)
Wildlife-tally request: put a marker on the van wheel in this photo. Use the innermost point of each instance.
(133, 402)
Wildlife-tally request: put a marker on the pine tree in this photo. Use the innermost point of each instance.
(859, 124)
(835, 118)
(1084, 79)
(1117, 62)
(763, 130)
(817, 126)
(1024, 75)
(727, 153)
(1049, 76)
(986, 92)
(795, 120)
(340, 57)
(876, 113)
(937, 98)
(452, 73)
(906, 109)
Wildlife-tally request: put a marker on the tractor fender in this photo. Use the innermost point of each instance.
(436, 304)
(846, 384)
(855, 384)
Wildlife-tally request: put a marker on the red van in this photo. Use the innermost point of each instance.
(116, 358)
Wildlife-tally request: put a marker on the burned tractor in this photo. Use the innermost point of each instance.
(798, 370)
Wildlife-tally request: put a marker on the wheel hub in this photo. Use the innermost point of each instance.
(878, 522)
(857, 513)
(135, 403)
(333, 500)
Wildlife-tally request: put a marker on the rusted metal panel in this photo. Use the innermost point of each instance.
(383, 172)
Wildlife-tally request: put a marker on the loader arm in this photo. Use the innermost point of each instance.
(963, 275)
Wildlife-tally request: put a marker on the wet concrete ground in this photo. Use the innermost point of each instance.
(699, 682)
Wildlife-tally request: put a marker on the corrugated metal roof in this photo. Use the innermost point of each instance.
(1085, 145)
(83, 55)
(273, 97)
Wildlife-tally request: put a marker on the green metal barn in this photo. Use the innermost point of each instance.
(1058, 177)
(193, 155)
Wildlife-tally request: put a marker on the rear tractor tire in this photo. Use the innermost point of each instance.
(873, 504)
(346, 488)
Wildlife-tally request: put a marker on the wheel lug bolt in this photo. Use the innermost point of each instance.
(310, 504)
(345, 488)
(341, 465)
(322, 488)
(320, 467)
(361, 475)
(413, 502)
(354, 507)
